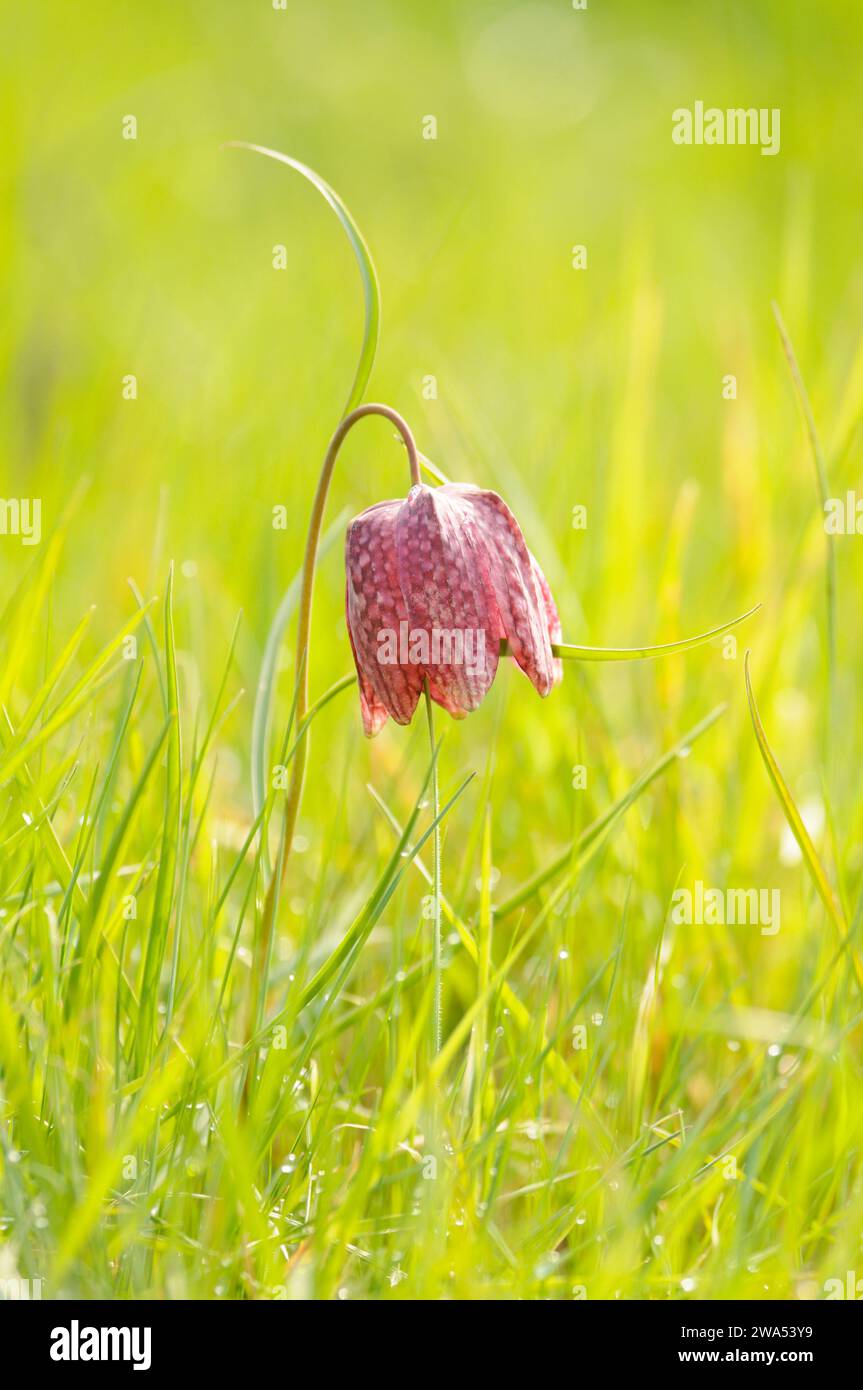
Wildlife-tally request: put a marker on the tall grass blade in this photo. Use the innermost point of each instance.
(815, 868)
(163, 899)
(604, 822)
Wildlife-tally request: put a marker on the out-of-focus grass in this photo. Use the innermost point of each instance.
(625, 1106)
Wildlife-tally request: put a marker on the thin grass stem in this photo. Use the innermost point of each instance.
(437, 973)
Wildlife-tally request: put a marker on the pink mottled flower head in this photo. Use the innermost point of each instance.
(434, 584)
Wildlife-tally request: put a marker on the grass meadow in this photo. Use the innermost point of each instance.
(216, 1083)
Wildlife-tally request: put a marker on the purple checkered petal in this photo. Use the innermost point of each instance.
(375, 605)
(514, 576)
(451, 606)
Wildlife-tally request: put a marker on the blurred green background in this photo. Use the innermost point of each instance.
(558, 387)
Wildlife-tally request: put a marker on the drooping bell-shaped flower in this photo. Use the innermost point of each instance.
(434, 584)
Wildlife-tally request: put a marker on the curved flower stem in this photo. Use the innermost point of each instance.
(301, 710)
(437, 1009)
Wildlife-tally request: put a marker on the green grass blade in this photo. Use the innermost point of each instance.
(816, 870)
(606, 820)
(368, 274)
(823, 487)
(91, 930)
(359, 930)
(262, 715)
(164, 894)
(18, 753)
(43, 694)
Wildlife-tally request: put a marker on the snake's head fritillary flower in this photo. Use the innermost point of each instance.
(434, 584)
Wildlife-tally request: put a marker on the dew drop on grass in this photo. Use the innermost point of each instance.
(687, 1284)
(546, 1267)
